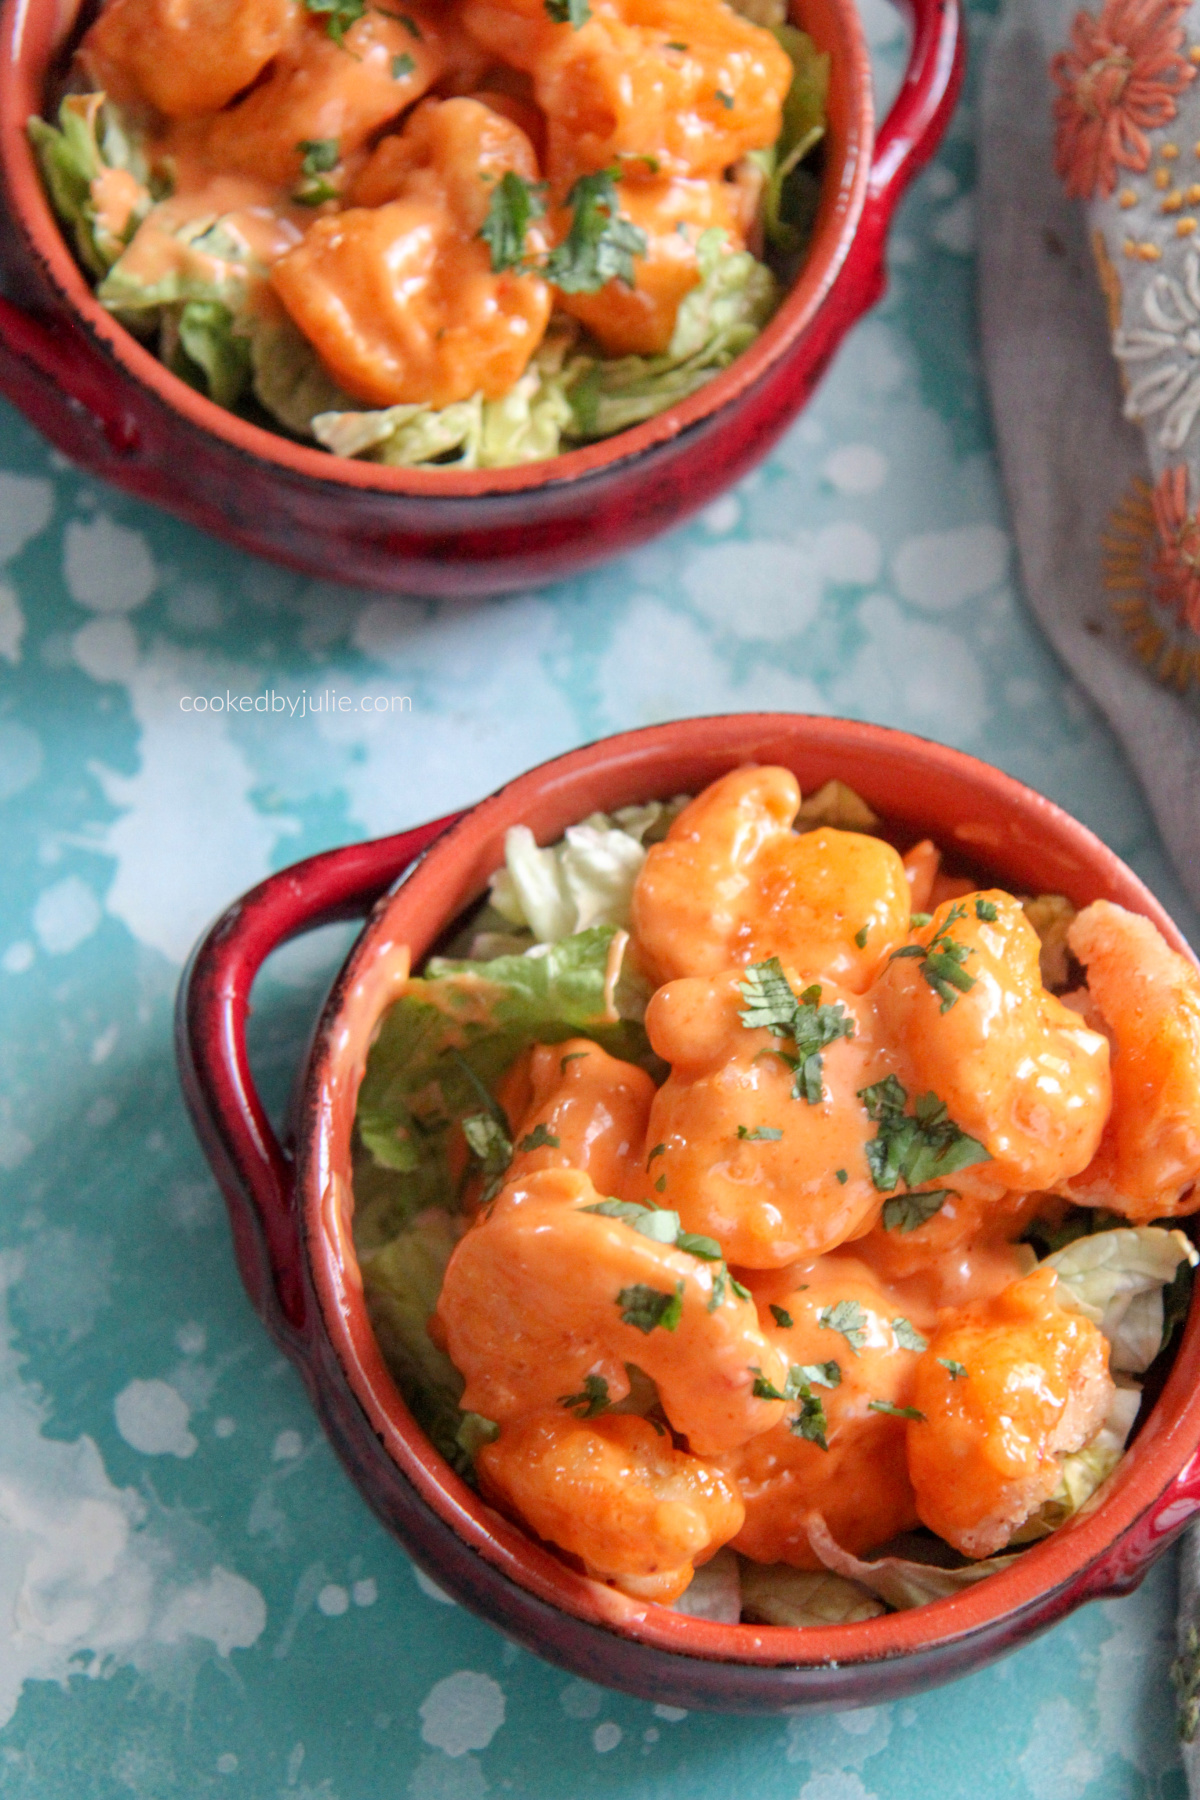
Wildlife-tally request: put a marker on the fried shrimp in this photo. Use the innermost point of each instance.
(615, 1492)
(587, 1111)
(1006, 1387)
(542, 1294)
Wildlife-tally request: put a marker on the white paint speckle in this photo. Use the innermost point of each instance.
(1059, 1761)
(12, 624)
(672, 1714)
(581, 1699)
(437, 1778)
(911, 673)
(227, 1763)
(65, 915)
(225, 1608)
(856, 469)
(106, 649)
(26, 503)
(651, 1734)
(365, 1592)
(104, 1045)
(153, 1418)
(101, 1112)
(848, 553)
(722, 516)
(606, 1737)
(939, 182)
(940, 569)
(430, 1588)
(757, 589)
(20, 758)
(107, 567)
(835, 1785)
(191, 1339)
(15, 1145)
(463, 1712)
(224, 1427)
(287, 1447)
(333, 1600)
(954, 228)
(18, 957)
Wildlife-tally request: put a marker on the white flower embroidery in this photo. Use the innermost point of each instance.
(1172, 345)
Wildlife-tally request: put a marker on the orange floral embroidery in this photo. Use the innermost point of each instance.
(1119, 79)
(1175, 570)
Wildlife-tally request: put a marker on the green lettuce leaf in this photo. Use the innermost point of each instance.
(1117, 1279)
(901, 1582)
(715, 1591)
(210, 260)
(792, 191)
(90, 137)
(289, 378)
(446, 1042)
(1084, 1470)
(777, 1594)
(201, 344)
(586, 879)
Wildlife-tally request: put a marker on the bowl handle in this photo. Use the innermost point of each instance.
(253, 1169)
(921, 110)
(60, 381)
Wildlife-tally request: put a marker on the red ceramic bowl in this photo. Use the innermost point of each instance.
(292, 1210)
(112, 407)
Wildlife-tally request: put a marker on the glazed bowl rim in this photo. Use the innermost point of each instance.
(1059, 1564)
(841, 211)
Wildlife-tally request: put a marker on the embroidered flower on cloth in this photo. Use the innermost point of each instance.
(1170, 344)
(1119, 79)
(1175, 571)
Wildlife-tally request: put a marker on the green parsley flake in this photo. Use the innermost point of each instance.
(342, 14)
(660, 1186)
(841, 1177)
(919, 920)
(410, 25)
(860, 936)
(489, 1144)
(670, 45)
(810, 1422)
(601, 245)
(722, 1282)
(514, 205)
(652, 1222)
(575, 1056)
(726, 100)
(658, 1150)
(645, 1307)
(782, 1317)
(539, 1139)
(319, 155)
(772, 1005)
(762, 1134)
(848, 1318)
(706, 1248)
(915, 1148)
(907, 1212)
(568, 12)
(402, 66)
(896, 1412)
(986, 910)
(942, 960)
(764, 1389)
(907, 1335)
(955, 1370)
(802, 1375)
(593, 1400)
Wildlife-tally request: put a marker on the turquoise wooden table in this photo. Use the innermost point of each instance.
(193, 1599)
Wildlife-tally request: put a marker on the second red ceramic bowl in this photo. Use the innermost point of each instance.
(292, 1215)
(111, 406)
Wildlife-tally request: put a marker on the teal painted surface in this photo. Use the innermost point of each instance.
(203, 1606)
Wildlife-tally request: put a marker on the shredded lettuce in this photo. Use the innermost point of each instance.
(402, 1280)
(902, 1582)
(777, 1594)
(89, 139)
(1082, 1471)
(793, 191)
(586, 879)
(715, 1591)
(202, 345)
(289, 378)
(1116, 1279)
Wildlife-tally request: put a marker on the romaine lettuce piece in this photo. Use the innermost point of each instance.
(1084, 1470)
(900, 1581)
(208, 260)
(1116, 1279)
(444, 1045)
(90, 139)
(586, 879)
(207, 351)
(289, 378)
(777, 1594)
(715, 1591)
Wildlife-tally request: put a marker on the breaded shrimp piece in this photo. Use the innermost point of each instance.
(1007, 1386)
(587, 1111)
(965, 1251)
(541, 1293)
(639, 320)
(1017, 1069)
(321, 92)
(184, 56)
(732, 883)
(614, 1492)
(860, 1484)
(732, 1148)
(1149, 998)
(400, 300)
(689, 84)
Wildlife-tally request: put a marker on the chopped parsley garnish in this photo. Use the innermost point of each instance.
(917, 1147)
(645, 1307)
(986, 910)
(514, 205)
(896, 1412)
(725, 99)
(722, 1282)
(660, 1186)
(593, 1399)
(764, 1389)
(860, 936)
(841, 1177)
(706, 1248)
(410, 25)
(575, 1056)
(907, 1335)
(955, 1370)
(762, 1134)
(539, 1139)
(848, 1318)
(489, 1144)
(317, 157)
(568, 12)
(402, 66)
(782, 1317)
(919, 919)
(906, 1212)
(658, 1150)
(810, 1422)
(601, 245)
(772, 1005)
(802, 1375)
(342, 14)
(672, 45)
(942, 960)
(653, 1222)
